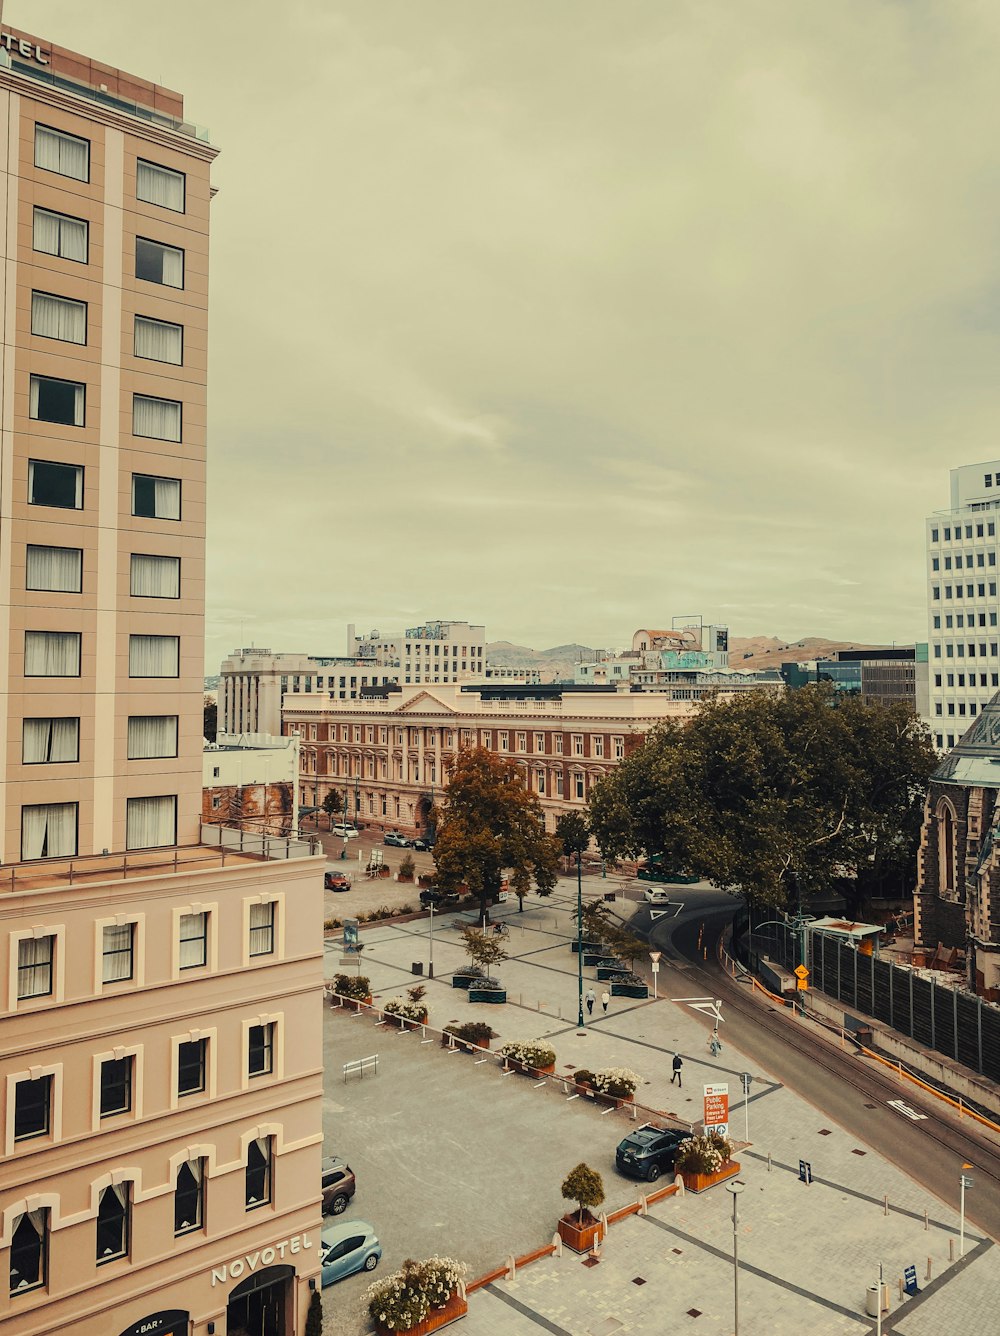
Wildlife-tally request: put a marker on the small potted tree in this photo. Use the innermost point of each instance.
(407, 867)
(581, 1230)
(352, 989)
(485, 949)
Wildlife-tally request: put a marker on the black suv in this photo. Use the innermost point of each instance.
(649, 1151)
(430, 895)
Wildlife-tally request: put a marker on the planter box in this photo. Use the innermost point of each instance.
(459, 980)
(437, 1318)
(466, 1045)
(351, 1003)
(581, 1238)
(496, 995)
(628, 989)
(702, 1182)
(401, 1022)
(587, 946)
(610, 972)
(592, 956)
(531, 1071)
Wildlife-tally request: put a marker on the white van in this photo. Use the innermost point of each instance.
(346, 832)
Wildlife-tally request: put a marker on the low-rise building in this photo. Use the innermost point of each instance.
(688, 662)
(251, 783)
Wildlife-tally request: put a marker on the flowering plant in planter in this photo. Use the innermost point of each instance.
(703, 1154)
(404, 1299)
(472, 1032)
(530, 1055)
(406, 1011)
(358, 986)
(618, 1082)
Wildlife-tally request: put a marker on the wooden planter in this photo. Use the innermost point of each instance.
(400, 877)
(352, 1003)
(455, 1308)
(531, 1071)
(702, 1182)
(401, 1022)
(487, 994)
(629, 989)
(614, 1101)
(466, 1045)
(581, 1238)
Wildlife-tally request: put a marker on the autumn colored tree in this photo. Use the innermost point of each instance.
(775, 796)
(489, 823)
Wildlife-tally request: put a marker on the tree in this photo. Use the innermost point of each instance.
(585, 1186)
(314, 1318)
(211, 719)
(484, 949)
(776, 797)
(489, 822)
(573, 833)
(333, 803)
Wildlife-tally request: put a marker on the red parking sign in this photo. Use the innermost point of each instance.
(716, 1109)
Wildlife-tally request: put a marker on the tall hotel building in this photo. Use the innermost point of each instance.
(962, 602)
(160, 1014)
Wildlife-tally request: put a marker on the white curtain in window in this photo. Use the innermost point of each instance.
(152, 735)
(155, 577)
(55, 234)
(52, 654)
(61, 153)
(173, 267)
(193, 946)
(153, 656)
(58, 318)
(157, 418)
(117, 953)
(78, 401)
(48, 740)
(262, 929)
(48, 830)
(167, 498)
(150, 822)
(159, 185)
(158, 340)
(59, 569)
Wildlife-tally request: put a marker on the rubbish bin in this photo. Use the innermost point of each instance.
(871, 1300)
(417, 967)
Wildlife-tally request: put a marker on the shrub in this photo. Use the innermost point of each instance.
(407, 1011)
(471, 971)
(703, 1154)
(314, 1318)
(618, 1082)
(416, 993)
(472, 1032)
(582, 1076)
(331, 923)
(358, 986)
(584, 1186)
(531, 1055)
(404, 1299)
(407, 865)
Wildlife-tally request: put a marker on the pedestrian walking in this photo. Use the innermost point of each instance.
(678, 1064)
(591, 999)
(605, 999)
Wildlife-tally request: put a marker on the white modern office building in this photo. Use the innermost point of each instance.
(962, 604)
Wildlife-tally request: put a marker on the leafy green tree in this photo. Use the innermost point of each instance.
(488, 822)
(314, 1318)
(777, 797)
(211, 719)
(333, 804)
(573, 833)
(484, 949)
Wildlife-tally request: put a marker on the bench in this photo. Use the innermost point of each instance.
(361, 1065)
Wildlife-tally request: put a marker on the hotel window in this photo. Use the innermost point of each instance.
(189, 1197)
(522, 742)
(159, 341)
(191, 1066)
(156, 419)
(193, 940)
(58, 234)
(159, 185)
(577, 744)
(152, 736)
(151, 823)
(48, 830)
(60, 401)
(117, 952)
(35, 957)
(153, 656)
(260, 1054)
(934, 535)
(504, 743)
(58, 318)
(59, 485)
(57, 570)
(154, 577)
(47, 741)
(262, 929)
(113, 1211)
(558, 741)
(33, 1108)
(116, 1086)
(56, 151)
(29, 1251)
(597, 745)
(156, 498)
(258, 1176)
(157, 263)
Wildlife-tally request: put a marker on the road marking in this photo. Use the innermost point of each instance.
(905, 1110)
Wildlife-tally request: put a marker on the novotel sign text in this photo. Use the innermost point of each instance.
(249, 1262)
(22, 48)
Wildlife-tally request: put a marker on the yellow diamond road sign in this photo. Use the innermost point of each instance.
(801, 972)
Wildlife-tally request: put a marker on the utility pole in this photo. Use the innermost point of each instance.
(579, 940)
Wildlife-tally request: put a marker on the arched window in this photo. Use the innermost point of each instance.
(947, 879)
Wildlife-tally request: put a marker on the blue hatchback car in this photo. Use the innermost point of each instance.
(346, 1247)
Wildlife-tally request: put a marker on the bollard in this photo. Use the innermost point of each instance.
(951, 1250)
(679, 1184)
(885, 1204)
(643, 1205)
(768, 1161)
(900, 1282)
(557, 1245)
(926, 1221)
(511, 1267)
(928, 1275)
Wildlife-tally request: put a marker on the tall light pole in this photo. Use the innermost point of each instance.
(735, 1188)
(430, 960)
(964, 1182)
(579, 940)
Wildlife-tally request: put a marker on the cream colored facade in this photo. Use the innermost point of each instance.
(160, 1000)
(391, 755)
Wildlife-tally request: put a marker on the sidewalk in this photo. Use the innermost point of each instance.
(807, 1253)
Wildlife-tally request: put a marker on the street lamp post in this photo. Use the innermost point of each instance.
(735, 1188)
(579, 940)
(430, 958)
(655, 958)
(964, 1182)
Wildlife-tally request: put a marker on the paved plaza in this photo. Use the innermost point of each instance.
(455, 1157)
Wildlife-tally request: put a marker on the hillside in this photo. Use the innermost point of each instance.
(555, 665)
(770, 652)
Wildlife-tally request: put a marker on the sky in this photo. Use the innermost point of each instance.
(569, 317)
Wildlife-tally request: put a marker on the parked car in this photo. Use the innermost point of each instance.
(398, 841)
(430, 895)
(656, 895)
(346, 1247)
(345, 830)
(649, 1152)
(338, 1184)
(425, 842)
(336, 881)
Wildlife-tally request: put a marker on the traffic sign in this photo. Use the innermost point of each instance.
(746, 1078)
(801, 972)
(802, 985)
(715, 1114)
